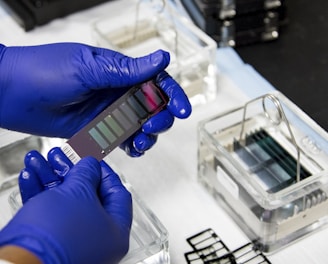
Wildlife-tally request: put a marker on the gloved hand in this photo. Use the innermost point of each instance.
(56, 89)
(85, 219)
(47, 177)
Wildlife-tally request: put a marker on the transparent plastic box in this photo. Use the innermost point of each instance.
(139, 28)
(266, 163)
(149, 238)
(13, 148)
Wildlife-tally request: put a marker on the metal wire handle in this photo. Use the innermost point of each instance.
(281, 117)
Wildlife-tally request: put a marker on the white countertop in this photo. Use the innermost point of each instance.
(166, 177)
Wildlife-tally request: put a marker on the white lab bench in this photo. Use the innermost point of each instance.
(166, 176)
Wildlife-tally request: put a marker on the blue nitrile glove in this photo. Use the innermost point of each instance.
(85, 219)
(56, 89)
(47, 177)
(178, 106)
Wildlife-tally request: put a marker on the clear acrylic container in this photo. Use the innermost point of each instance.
(149, 242)
(149, 238)
(140, 28)
(266, 163)
(13, 148)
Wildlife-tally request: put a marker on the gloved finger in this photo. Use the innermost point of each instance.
(143, 142)
(158, 123)
(86, 174)
(29, 184)
(121, 71)
(60, 163)
(179, 104)
(116, 199)
(36, 162)
(130, 150)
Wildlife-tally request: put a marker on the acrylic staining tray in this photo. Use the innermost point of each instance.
(149, 238)
(139, 30)
(13, 148)
(267, 165)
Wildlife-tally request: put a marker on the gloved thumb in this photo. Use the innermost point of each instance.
(110, 69)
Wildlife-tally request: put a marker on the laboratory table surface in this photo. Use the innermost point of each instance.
(166, 176)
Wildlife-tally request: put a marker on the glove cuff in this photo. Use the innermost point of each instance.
(32, 240)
